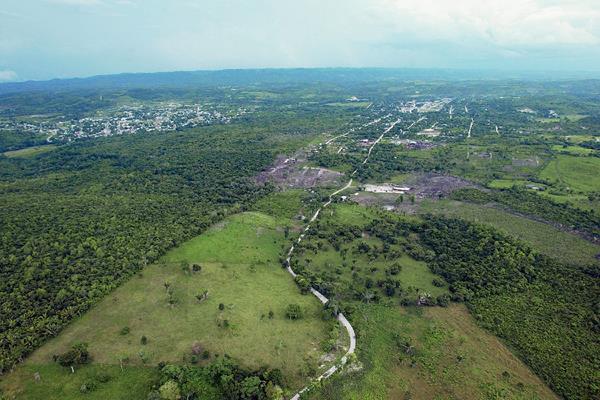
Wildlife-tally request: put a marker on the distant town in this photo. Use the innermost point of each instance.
(126, 119)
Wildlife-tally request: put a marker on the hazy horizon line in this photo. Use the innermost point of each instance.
(564, 74)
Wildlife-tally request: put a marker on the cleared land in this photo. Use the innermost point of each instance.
(578, 173)
(58, 383)
(240, 269)
(544, 238)
(29, 151)
(450, 358)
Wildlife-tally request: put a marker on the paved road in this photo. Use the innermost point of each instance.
(352, 130)
(341, 318)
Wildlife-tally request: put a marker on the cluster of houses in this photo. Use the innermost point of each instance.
(127, 119)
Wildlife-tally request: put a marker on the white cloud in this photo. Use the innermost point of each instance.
(510, 23)
(8, 76)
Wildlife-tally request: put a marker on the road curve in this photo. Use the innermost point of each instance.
(341, 318)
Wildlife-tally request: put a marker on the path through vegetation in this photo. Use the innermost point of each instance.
(340, 317)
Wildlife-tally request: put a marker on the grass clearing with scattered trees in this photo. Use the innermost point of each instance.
(242, 315)
(431, 353)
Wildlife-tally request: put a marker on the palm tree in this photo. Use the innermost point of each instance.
(367, 296)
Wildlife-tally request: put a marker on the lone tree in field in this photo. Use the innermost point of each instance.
(76, 356)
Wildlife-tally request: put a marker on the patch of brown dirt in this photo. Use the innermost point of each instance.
(435, 186)
(289, 172)
(422, 186)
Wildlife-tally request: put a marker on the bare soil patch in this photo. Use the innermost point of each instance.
(422, 186)
(291, 172)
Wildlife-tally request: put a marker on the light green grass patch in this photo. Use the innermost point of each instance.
(58, 383)
(578, 173)
(416, 274)
(350, 214)
(248, 238)
(576, 200)
(354, 104)
(453, 359)
(286, 204)
(29, 151)
(508, 183)
(544, 238)
(548, 120)
(579, 138)
(240, 269)
(262, 95)
(575, 150)
(574, 117)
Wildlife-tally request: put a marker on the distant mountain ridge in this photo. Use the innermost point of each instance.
(232, 77)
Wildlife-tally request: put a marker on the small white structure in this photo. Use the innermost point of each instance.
(386, 188)
(429, 132)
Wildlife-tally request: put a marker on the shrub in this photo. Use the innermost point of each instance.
(394, 269)
(170, 391)
(293, 311)
(77, 355)
(88, 386)
(443, 300)
(437, 282)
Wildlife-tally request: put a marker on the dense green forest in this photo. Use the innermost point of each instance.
(547, 311)
(85, 218)
(78, 221)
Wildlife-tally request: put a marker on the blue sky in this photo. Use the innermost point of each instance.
(42, 39)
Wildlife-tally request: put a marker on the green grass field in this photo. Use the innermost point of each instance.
(574, 150)
(579, 138)
(349, 214)
(452, 358)
(542, 237)
(29, 151)
(58, 383)
(281, 204)
(508, 183)
(345, 264)
(578, 173)
(354, 104)
(240, 269)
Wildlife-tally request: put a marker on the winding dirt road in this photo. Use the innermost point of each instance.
(341, 318)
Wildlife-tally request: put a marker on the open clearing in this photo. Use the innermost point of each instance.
(29, 151)
(240, 269)
(575, 150)
(420, 187)
(543, 237)
(578, 173)
(292, 172)
(58, 383)
(452, 358)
